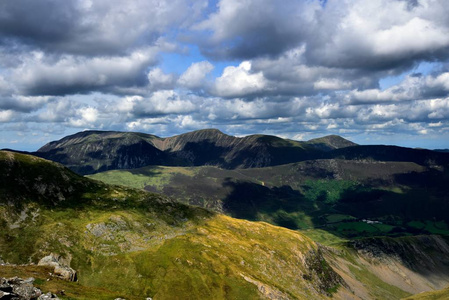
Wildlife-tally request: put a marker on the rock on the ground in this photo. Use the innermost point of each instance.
(61, 269)
(18, 289)
(48, 296)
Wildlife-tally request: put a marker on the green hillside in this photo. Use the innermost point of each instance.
(138, 244)
(129, 243)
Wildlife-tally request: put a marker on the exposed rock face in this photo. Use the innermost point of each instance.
(19, 289)
(416, 252)
(321, 273)
(412, 264)
(61, 268)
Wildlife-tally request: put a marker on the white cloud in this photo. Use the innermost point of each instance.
(194, 76)
(86, 117)
(414, 36)
(331, 84)
(160, 102)
(239, 81)
(6, 116)
(160, 80)
(379, 33)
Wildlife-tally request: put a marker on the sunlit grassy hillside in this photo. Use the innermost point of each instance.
(137, 244)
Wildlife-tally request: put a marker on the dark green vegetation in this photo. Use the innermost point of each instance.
(137, 244)
(348, 198)
(96, 151)
(381, 211)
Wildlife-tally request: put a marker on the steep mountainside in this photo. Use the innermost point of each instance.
(136, 244)
(132, 244)
(95, 151)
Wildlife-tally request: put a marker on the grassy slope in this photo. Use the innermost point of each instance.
(72, 290)
(435, 295)
(125, 242)
(133, 243)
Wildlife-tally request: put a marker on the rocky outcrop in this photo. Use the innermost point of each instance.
(61, 266)
(320, 273)
(20, 289)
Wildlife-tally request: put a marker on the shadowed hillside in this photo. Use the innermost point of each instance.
(95, 151)
(350, 198)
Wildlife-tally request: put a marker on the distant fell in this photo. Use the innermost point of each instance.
(90, 152)
(331, 142)
(94, 151)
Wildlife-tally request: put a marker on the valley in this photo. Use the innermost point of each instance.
(209, 216)
(346, 198)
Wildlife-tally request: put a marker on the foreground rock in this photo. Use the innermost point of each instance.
(61, 268)
(19, 289)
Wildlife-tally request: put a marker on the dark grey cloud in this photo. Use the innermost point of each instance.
(84, 27)
(244, 30)
(40, 74)
(372, 35)
(22, 104)
(39, 22)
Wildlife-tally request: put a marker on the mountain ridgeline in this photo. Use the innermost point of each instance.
(91, 152)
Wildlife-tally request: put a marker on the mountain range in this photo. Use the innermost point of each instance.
(96, 151)
(187, 216)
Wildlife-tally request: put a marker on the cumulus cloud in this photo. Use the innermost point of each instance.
(246, 29)
(158, 80)
(23, 104)
(6, 115)
(379, 34)
(299, 70)
(239, 81)
(368, 34)
(413, 87)
(159, 103)
(85, 117)
(194, 76)
(43, 75)
(88, 27)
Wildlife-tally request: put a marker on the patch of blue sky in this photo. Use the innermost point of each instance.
(424, 68)
(179, 62)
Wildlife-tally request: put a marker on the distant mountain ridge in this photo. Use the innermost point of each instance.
(95, 151)
(90, 152)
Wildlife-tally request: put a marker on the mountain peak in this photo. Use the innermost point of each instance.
(94, 151)
(331, 142)
(204, 133)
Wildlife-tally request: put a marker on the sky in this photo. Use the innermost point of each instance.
(372, 71)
